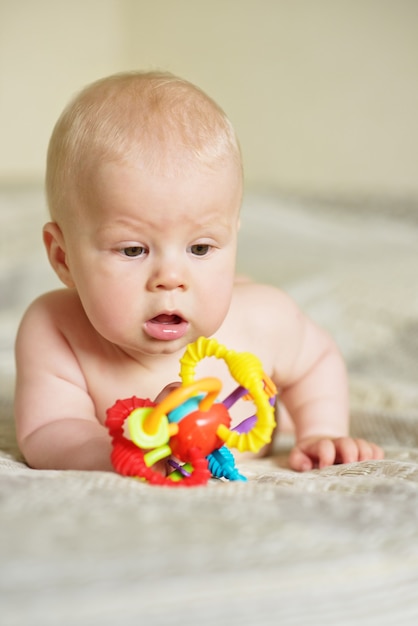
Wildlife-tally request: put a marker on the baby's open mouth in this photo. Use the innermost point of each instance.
(166, 326)
(166, 319)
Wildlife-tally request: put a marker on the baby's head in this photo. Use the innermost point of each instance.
(161, 123)
(144, 185)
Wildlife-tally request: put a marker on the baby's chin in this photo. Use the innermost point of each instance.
(149, 348)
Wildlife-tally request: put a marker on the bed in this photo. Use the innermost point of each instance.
(332, 546)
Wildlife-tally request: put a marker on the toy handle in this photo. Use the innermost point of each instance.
(178, 396)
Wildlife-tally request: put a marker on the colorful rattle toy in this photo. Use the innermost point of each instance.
(188, 428)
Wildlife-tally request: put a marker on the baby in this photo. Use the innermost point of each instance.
(144, 186)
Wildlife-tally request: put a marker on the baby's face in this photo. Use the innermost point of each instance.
(153, 257)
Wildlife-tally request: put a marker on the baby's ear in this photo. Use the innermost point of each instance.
(55, 247)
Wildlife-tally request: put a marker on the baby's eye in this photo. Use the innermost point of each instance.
(200, 249)
(133, 251)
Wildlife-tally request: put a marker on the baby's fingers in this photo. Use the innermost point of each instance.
(349, 450)
(166, 391)
(299, 461)
(324, 451)
(310, 454)
(368, 450)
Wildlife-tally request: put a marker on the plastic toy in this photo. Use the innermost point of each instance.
(189, 429)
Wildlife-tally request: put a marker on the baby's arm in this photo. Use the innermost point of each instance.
(315, 392)
(318, 401)
(55, 417)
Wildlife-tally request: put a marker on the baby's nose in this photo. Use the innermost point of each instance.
(169, 276)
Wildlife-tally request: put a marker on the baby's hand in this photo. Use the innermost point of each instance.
(166, 391)
(314, 452)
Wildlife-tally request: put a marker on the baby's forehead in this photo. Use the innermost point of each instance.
(169, 160)
(108, 187)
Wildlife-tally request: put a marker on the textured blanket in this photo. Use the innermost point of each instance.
(333, 546)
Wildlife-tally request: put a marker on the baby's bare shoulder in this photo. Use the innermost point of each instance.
(258, 297)
(51, 324)
(263, 313)
(52, 312)
(56, 304)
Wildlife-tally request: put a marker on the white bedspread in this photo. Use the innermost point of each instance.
(336, 546)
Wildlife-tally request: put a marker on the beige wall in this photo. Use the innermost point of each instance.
(323, 93)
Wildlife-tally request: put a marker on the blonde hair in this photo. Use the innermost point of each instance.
(154, 118)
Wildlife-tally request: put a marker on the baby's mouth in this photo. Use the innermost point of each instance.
(166, 326)
(165, 318)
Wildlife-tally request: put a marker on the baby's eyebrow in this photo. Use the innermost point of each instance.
(120, 224)
(215, 224)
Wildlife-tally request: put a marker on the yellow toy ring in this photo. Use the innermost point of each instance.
(247, 370)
